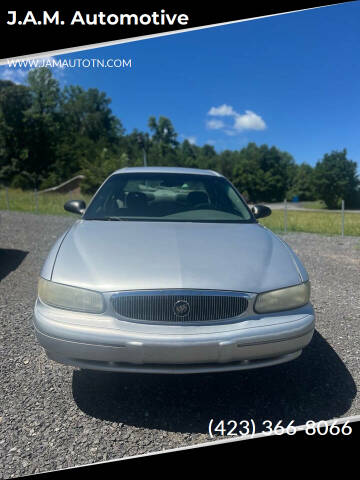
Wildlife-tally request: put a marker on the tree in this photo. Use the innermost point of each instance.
(87, 113)
(49, 134)
(101, 165)
(163, 131)
(86, 126)
(303, 183)
(42, 122)
(164, 146)
(14, 101)
(265, 173)
(335, 179)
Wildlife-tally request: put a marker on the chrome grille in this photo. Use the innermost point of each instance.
(179, 306)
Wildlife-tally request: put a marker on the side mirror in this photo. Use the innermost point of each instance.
(260, 211)
(75, 206)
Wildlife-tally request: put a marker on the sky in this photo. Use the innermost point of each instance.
(288, 80)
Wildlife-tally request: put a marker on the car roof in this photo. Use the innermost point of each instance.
(195, 171)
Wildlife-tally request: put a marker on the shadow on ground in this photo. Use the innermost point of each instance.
(316, 386)
(10, 260)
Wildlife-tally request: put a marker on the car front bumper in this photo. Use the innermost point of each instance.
(103, 343)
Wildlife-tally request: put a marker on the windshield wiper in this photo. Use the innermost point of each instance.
(110, 219)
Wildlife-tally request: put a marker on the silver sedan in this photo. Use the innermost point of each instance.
(169, 271)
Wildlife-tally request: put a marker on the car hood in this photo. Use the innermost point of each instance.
(130, 255)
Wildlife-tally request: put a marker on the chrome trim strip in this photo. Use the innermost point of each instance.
(198, 292)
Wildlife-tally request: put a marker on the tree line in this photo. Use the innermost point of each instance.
(49, 134)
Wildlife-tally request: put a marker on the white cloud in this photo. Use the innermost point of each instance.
(215, 124)
(18, 74)
(222, 111)
(191, 139)
(55, 64)
(15, 75)
(247, 121)
(231, 132)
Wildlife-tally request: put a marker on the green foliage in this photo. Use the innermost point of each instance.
(101, 165)
(49, 134)
(15, 100)
(303, 183)
(86, 113)
(42, 122)
(265, 173)
(163, 131)
(335, 179)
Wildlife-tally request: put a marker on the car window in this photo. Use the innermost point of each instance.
(168, 197)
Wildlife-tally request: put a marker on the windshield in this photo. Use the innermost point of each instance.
(170, 197)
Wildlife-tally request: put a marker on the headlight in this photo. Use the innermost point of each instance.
(70, 298)
(284, 299)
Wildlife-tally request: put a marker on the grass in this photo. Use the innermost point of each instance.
(318, 204)
(46, 203)
(326, 223)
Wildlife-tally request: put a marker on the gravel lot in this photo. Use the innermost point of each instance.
(54, 416)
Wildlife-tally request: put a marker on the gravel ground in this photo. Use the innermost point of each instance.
(53, 416)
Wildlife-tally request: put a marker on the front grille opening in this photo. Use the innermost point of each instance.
(179, 308)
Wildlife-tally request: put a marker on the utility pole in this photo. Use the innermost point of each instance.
(145, 159)
(143, 141)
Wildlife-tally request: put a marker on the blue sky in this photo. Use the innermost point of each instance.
(290, 80)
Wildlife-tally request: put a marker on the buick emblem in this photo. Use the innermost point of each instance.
(181, 308)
